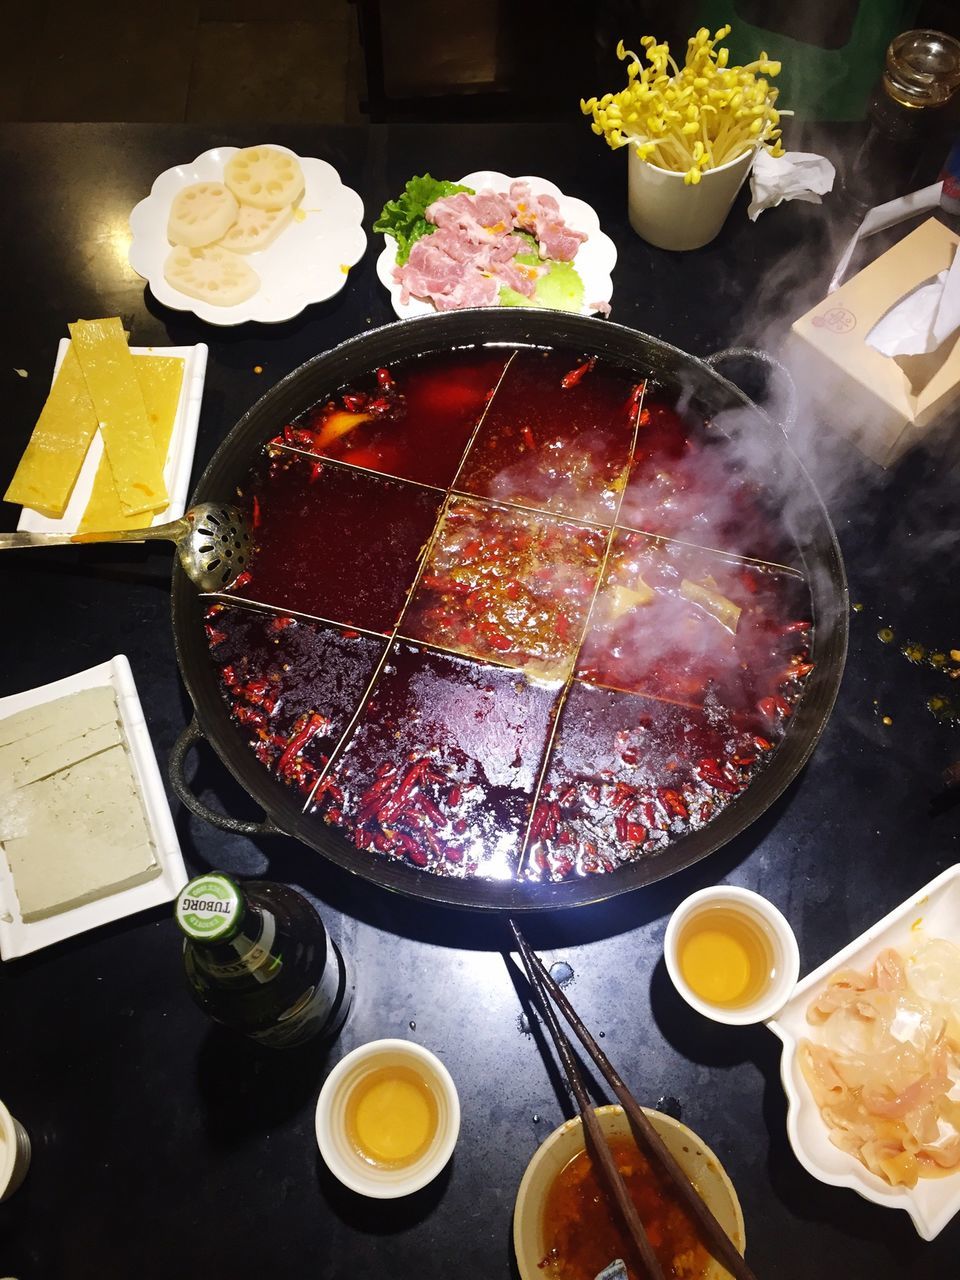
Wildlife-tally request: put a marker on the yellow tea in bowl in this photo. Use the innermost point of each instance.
(726, 957)
(391, 1116)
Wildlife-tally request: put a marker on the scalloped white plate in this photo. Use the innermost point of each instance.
(308, 262)
(594, 262)
(932, 912)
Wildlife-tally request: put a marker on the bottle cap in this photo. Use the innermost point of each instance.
(210, 908)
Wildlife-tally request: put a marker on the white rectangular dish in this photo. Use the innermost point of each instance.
(183, 442)
(932, 912)
(18, 938)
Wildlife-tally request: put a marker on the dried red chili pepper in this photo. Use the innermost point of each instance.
(313, 724)
(433, 813)
(354, 401)
(528, 439)
(710, 772)
(573, 377)
(214, 635)
(255, 514)
(254, 690)
(242, 579)
(250, 716)
(385, 380)
(674, 803)
(774, 708)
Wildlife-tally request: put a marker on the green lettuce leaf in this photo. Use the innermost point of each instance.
(404, 218)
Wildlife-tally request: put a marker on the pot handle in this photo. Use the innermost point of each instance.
(782, 375)
(189, 738)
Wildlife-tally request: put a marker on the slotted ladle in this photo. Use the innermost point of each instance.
(212, 541)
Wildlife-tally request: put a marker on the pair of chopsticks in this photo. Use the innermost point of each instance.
(644, 1134)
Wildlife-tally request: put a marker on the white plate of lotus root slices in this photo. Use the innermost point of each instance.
(251, 234)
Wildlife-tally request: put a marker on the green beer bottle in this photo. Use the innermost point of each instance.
(259, 960)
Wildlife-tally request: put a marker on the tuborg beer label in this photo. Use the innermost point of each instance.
(209, 908)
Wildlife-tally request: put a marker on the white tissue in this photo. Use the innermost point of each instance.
(796, 175)
(922, 320)
(883, 216)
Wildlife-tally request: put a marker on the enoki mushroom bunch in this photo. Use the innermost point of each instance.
(694, 117)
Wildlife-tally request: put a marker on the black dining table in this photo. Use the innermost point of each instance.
(165, 1146)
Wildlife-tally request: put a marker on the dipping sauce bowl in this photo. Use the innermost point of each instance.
(731, 955)
(388, 1117)
(14, 1153)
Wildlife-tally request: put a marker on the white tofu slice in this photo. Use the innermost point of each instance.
(85, 836)
(73, 714)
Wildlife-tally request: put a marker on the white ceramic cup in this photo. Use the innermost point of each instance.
(338, 1153)
(14, 1153)
(783, 944)
(671, 214)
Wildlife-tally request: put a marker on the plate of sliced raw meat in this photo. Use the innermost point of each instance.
(504, 242)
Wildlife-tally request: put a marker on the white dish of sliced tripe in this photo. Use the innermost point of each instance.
(179, 464)
(307, 255)
(86, 833)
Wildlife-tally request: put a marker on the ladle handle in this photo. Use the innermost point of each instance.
(787, 415)
(191, 735)
(169, 532)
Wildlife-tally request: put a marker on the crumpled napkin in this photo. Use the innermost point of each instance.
(616, 1271)
(796, 175)
(923, 319)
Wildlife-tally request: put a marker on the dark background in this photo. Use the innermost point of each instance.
(349, 61)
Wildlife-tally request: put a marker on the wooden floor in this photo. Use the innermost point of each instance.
(195, 60)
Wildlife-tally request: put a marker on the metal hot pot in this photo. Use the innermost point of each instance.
(709, 395)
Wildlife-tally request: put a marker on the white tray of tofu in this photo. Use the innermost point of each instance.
(86, 833)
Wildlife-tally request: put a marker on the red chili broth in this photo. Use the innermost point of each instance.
(583, 1234)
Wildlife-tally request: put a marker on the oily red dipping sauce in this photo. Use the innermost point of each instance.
(583, 1236)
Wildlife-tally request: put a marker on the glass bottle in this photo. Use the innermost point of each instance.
(921, 74)
(259, 960)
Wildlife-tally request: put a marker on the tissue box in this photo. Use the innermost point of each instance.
(882, 403)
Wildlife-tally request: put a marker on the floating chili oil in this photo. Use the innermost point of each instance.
(290, 685)
(583, 1236)
(676, 622)
(628, 775)
(464, 642)
(334, 542)
(508, 585)
(556, 438)
(441, 768)
(688, 481)
(413, 420)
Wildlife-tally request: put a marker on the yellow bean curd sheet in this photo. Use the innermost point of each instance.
(48, 470)
(160, 379)
(52, 460)
(128, 441)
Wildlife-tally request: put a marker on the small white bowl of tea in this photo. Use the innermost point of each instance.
(731, 955)
(388, 1117)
